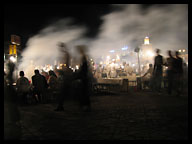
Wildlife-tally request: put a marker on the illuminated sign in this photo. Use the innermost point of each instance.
(12, 49)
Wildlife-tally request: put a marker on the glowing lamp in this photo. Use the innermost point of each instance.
(13, 59)
(146, 40)
(150, 53)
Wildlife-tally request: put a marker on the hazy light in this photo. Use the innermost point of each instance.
(13, 59)
(118, 58)
(125, 48)
(179, 50)
(112, 51)
(146, 40)
(77, 67)
(183, 50)
(150, 53)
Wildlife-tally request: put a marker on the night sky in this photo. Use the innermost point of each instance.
(100, 27)
(26, 20)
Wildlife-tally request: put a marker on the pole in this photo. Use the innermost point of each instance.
(139, 79)
(139, 65)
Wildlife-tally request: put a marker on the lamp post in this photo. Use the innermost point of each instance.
(139, 85)
(137, 49)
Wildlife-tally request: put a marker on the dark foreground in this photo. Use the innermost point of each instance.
(132, 116)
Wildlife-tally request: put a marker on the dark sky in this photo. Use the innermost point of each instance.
(26, 20)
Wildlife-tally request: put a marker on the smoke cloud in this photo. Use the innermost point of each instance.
(166, 25)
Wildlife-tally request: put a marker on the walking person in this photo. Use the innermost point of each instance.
(23, 87)
(185, 77)
(64, 78)
(170, 71)
(40, 86)
(178, 73)
(12, 125)
(158, 71)
(83, 75)
(53, 84)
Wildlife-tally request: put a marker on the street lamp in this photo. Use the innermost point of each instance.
(139, 83)
(13, 59)
(137, 49)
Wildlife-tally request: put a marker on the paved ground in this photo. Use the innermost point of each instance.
(132, 116)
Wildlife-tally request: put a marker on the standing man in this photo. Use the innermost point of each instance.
(158, 70)
(85, 80)
(170, 71)
(178, 73)
(23, 87)
(40, 85)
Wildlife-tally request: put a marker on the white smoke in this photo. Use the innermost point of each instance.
(43, 48)
(167, 27)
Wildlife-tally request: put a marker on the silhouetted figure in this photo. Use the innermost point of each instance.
(83, 75)
(53, 83)
(170, 71)
(65, 54)
(185, 76)
(64, 77)
(40, 86)
(158, 71)
(178, 73)
(12, 128)
(148, 81)
(23, 88)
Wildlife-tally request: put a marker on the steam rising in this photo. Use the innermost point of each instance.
(167, 27)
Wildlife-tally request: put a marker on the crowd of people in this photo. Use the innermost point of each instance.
(176, 74)
(58, 84)
(64, 83)
(112, 71)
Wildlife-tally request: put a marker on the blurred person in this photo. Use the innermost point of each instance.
(148, 77)
(12, 126)
(64, 78)
(45, 74)
(185, 76)
(99, 71)
(83, 75)
(52, 82)
(60, 96)
(40, 86)
(178, 73)
(65, 54)
(23, 88)
(170, 71)
(158, 71)
(128, 69)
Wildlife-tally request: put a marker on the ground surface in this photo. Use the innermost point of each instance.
(132, 116)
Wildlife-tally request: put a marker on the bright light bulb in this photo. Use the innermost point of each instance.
(13, 59)
(150, 53)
